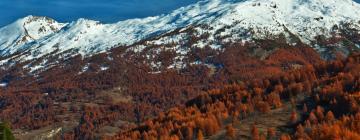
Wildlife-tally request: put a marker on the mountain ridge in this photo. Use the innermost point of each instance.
(229, 20)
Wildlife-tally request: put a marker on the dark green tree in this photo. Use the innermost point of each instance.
(5, 132)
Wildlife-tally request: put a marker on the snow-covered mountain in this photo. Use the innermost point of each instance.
(225, 20)
(22, 31)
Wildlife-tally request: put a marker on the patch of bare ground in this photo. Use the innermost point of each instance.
(45, 133)
(276, 118)
(114, 96)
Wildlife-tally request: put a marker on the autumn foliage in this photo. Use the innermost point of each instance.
(196, 102)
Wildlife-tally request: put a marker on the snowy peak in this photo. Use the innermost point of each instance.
(26, 30)
(37, 27)
(239, 20)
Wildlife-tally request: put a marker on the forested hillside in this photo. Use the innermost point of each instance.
(323, 99)
(207, 100)
(215, 69)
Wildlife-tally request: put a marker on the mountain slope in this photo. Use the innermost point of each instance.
(22, 31)
(219, 20)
